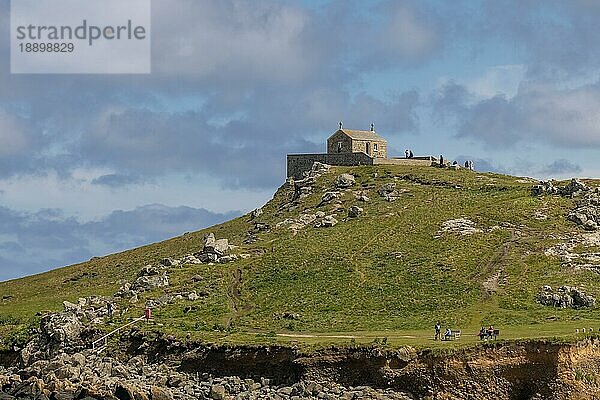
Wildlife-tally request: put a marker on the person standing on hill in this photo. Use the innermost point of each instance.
(438, 330)
(110, 308)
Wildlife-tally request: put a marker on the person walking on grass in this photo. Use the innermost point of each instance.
(438, 331)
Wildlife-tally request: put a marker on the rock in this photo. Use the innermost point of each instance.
(389, 192)
(149, 270)
(79, 360)
(327, 197)
(354, 211)
(124, 392)
(124, 291)
(285, 391)
(212, 246)
(344, 181)
(261, 227)
(169, 262)
(226, 259)
(70, 307)
(196, 278)
(256, 213)
(318, 169)
(217, 392)
(544, 187)
(193, 296)
(158, 393)
(145, 282)
(327, 222)
(565, 297)
(250, 238)
(190, 259)
(587, 212)
(574, 188)
(460, 226)
(63, 328)
(206, 257)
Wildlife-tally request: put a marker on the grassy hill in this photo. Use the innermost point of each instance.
(390, 273)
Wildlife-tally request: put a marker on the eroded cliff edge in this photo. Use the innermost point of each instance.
(152, 365)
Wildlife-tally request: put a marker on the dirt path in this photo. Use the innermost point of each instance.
(234, 293)
(308, 336)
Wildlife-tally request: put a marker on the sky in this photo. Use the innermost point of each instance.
(95, 164)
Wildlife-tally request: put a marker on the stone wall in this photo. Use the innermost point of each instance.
(332, 143)
(359, 146)
(421, 161)
(299, 163)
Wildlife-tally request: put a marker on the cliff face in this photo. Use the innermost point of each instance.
(507, 370)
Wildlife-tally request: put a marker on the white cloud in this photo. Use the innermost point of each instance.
(234, 39)
(407, 35)
(13, 135)
(500, 79)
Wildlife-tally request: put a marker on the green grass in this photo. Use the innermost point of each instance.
(386, 274)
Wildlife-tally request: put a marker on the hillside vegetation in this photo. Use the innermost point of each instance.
(393, 271)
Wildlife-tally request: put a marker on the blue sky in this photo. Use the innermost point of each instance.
(93, 164)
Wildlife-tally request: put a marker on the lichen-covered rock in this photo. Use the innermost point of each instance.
(345, 181)
(460, 226)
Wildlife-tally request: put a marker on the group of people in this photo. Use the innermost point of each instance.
(486, 333)
(408, 153)
(468, 163)
(438, 332)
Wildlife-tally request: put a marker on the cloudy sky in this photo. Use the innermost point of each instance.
(93, 164)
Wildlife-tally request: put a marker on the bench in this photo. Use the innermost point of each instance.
(487, 336)
(453, 335)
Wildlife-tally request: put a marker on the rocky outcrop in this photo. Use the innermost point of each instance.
(304, 187)
(318, 219)
(215, 251)
(574, 188)
(256, 213)
(58, 333)
(565, 297)
(587, 211)
(580, 259)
